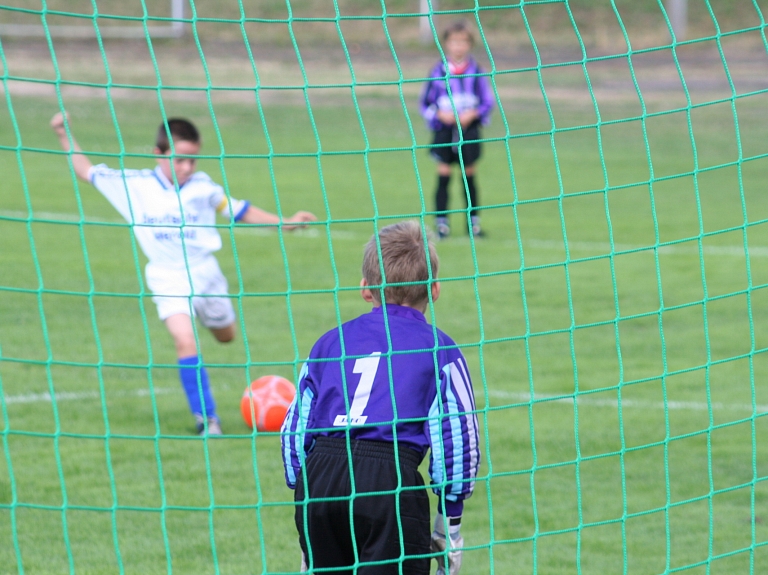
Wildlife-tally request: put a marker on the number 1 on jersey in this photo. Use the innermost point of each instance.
(366, 367)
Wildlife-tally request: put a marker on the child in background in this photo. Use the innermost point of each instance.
(391, 389)
(172, 210)
(469, 101)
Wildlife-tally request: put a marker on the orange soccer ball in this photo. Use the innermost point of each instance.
(266, 402)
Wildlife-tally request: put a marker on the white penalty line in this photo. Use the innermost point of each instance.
(46, 397)
(604, 247)
(587, 400)
(521, 397)
(314, 232)
(258, 231)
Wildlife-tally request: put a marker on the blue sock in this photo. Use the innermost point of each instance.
(194, 380)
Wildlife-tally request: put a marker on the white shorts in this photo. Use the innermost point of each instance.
(173, 294)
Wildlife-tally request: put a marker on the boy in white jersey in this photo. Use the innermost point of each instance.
(172, 210)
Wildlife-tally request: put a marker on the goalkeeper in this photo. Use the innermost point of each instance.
(172, 212)
(380, 392)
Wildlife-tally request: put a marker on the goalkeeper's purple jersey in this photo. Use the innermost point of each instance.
(428, 402)
(468, 91)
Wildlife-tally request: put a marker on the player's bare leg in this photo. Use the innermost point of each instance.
(183, 334)
(194, 377)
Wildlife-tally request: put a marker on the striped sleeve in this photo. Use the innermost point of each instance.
(453, 435)
(293, 435)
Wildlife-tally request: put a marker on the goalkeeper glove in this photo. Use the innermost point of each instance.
(454, 544)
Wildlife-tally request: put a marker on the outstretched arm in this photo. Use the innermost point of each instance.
(80, 162)
(254, 215)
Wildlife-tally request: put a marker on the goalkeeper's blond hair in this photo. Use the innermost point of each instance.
(409, 257)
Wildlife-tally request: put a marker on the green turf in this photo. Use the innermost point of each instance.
(672, 480)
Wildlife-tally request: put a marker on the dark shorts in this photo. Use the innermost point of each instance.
(470, 149)
(379, 523)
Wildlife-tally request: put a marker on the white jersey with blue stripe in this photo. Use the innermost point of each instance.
(390, 378)
(174, 229)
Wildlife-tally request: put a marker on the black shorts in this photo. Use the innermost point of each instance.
(470, 149)
(379, 522)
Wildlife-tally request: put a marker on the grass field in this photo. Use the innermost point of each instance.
(635, 299)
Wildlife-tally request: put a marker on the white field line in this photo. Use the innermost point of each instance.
(59, 216)
(83, 395)
(520, 397)
(46, 397)
(312, 232)
(316, 232)
(689, 248)
(587, 400)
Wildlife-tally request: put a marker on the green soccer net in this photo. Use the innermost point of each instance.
(613, 318)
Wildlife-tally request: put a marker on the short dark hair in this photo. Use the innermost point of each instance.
(176, 129)
(404, 251)
(459, 27)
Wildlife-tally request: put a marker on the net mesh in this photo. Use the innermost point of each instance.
(610, 319)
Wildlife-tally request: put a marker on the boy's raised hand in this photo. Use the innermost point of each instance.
(57, 123)
(80, 163)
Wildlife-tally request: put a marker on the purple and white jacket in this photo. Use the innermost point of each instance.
(469, 90)
(394, 376)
